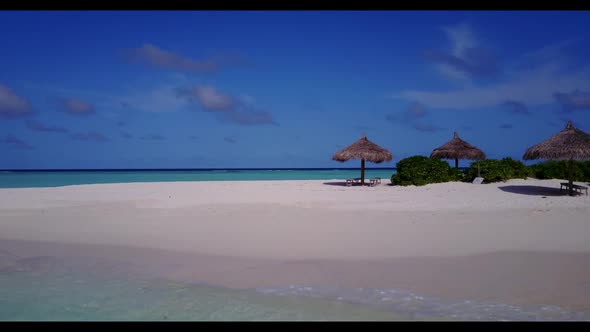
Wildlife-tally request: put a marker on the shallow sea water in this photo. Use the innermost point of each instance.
(47, 288)
(28, 179)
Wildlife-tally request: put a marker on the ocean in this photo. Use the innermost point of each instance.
(56, 178)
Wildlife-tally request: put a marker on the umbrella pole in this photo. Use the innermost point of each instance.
(571, 176)
(456, 163)
(362, 172)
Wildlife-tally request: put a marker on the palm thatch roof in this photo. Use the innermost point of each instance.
(363, 149)
(570, 143)
(458, 149)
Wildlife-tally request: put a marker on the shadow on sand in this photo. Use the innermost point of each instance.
(533, 190)
(343, 184)
(336, 183)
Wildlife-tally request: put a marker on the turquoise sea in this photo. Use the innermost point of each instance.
(24, 179)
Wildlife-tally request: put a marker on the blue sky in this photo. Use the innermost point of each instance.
(209, 89)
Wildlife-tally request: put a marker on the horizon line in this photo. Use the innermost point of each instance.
(186, 169)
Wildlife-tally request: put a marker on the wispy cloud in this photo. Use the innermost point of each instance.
(226, 107)
(557, 51)
(126, 135)
(39, 126)
(193, 137)
(465, 59)
(230, 140)
(515, 107)
(153, 137)
(16, 142)
(474, 63)
(209, 98)
(573, 101)
(155, 56)
(12, 105)
(413, 117)
(533, 87)
(89, 136)
(532, 80)
(76, 106)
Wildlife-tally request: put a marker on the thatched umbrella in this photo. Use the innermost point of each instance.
(458, 149)
(570, 143)
(363, 149)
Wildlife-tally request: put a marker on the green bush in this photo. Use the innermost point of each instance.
(493, 170)
(420, 170)
(456, 174)
(519, 170)
(585, 167)
(559, 170)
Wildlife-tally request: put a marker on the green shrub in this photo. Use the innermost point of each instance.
(420, 170)
(493, 170)
(585, 168)
(559, 170)
(519, 170)
(456, 174)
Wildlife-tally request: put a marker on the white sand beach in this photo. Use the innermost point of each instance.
(519, 242)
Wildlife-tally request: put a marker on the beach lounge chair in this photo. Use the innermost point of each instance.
(374, 181)
(350, 182)
(478, 180)
(577, 188)
(580, 188)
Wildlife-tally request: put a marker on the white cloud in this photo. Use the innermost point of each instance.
(239, 111)
(462, 38)
(158, 57)
(211, 99)
(533, 85)
(465, 58)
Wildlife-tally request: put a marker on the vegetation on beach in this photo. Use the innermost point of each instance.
(494, 170)
(421, 170)
(559, 170)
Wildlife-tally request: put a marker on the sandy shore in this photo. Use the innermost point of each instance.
(518, 242)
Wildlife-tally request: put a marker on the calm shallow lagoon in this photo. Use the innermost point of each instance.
(19, 179)
(45, 288)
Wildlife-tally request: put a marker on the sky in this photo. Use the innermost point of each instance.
(285, 89)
